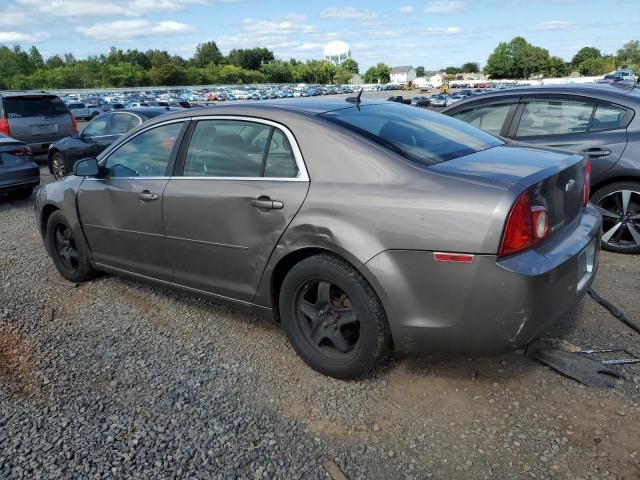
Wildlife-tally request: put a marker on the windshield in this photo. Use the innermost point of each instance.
(418, 135)
(34, 106)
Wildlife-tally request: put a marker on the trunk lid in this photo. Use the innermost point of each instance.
(554, 179)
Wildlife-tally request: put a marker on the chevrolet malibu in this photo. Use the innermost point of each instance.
(362, 227)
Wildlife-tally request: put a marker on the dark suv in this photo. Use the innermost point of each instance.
(35, 118)
(601, 121)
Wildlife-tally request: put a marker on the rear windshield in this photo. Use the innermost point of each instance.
(423, 137)
(33, 106)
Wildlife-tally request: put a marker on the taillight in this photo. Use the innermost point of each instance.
(4, 127)
(525, 227)
(586, 189)
(74, 125)
(22, 152)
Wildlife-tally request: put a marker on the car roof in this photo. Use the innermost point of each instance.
(147, 111)
(613, 93)
(21, 93)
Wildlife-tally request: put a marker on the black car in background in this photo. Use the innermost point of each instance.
(19, 174)
(101, 132)
(601, 121)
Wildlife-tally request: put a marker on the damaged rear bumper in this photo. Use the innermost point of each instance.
(490, 305)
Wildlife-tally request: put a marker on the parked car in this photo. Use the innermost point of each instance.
(420, 102)
(19, 174)
(399, 99)
(35, 118)
(468, 243)
(97, 135)
(82, 111)
(439, 100)
(600, 121)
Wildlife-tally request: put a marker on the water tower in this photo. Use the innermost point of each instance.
(336, 52)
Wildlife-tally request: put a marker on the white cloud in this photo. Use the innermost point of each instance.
(274, 33)
(444, 7)
(406, 9)
(9, 18)
(442, 31)
(305, 47)
(19, 37)
(555, 25)
(348, 12)
(129, 29)
(95, 8)
(291, 23)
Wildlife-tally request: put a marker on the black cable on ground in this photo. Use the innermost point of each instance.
(614, 311)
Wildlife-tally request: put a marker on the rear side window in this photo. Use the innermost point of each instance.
(489, 118)
(34, 106)
(606, 117)
(424, 137)
(554, 117)
(281, 163)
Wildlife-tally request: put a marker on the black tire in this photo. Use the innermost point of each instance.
(68, 256)
(347, 333)
(57, 166)
(621, 229)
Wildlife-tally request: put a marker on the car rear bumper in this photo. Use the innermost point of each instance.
(19, 176)
(491, 305)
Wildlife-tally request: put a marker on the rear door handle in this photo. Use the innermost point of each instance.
(597, 152)
(265, 203)
(147, 196)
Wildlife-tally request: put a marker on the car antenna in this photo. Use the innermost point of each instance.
(356, 99)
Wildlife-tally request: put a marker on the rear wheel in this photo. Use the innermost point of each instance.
(619, 204)
(333, 318)
(68, 256)
(58, 168)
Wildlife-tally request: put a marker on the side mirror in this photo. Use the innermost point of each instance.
(87, 167)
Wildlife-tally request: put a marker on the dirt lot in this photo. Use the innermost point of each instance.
(124, 379)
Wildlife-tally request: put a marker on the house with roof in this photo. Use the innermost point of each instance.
(402, 74)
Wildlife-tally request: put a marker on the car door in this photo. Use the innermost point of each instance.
(573, 123)
(238, 184)
(121, 210)
(92, 138)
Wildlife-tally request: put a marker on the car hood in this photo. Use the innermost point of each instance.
(509, 164)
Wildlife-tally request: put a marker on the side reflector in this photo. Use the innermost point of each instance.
(452, 257)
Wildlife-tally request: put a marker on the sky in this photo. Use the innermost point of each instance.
(432, 33)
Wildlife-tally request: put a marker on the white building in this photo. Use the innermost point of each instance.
(402, 74)
(336, 52)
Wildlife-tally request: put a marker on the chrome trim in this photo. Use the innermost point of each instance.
(204, 242)
(102, 266)
(111, 229)
(111, 179)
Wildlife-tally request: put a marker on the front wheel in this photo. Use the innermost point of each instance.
(58, 168)
(333, 318)
(67, 254)
(619, 204)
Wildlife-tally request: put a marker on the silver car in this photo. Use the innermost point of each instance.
(362, 227)
(35, 118)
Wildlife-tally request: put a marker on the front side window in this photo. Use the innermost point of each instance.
(423, 137)
(489, 118)
(145, 155)
(554, 117)
(234, 148)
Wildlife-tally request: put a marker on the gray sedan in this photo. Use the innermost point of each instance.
(362, 227)
(19, 174)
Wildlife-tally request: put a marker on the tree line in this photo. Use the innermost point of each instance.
(27, 69)
(520, 59)
(20, 69)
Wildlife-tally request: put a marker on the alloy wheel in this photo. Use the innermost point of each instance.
(57, 166)
(65, 247)
(620, 218)
(327, 319)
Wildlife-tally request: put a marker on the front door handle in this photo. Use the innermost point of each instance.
(147, 196)
(265, 203)
(597, 152)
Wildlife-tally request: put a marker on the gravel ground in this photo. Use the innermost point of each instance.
(130, 380)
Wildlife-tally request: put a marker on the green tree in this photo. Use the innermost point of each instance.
(451, 70)
(381, 73)
(278, 71)
(250, 58)
(35, 58)
(556, 67)
(593, 66)
(585, 53)
(350, 65)
(419, 71)
(470, 67)
(207, 53)
(342, 76)
(629, 54)
(517, 59)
